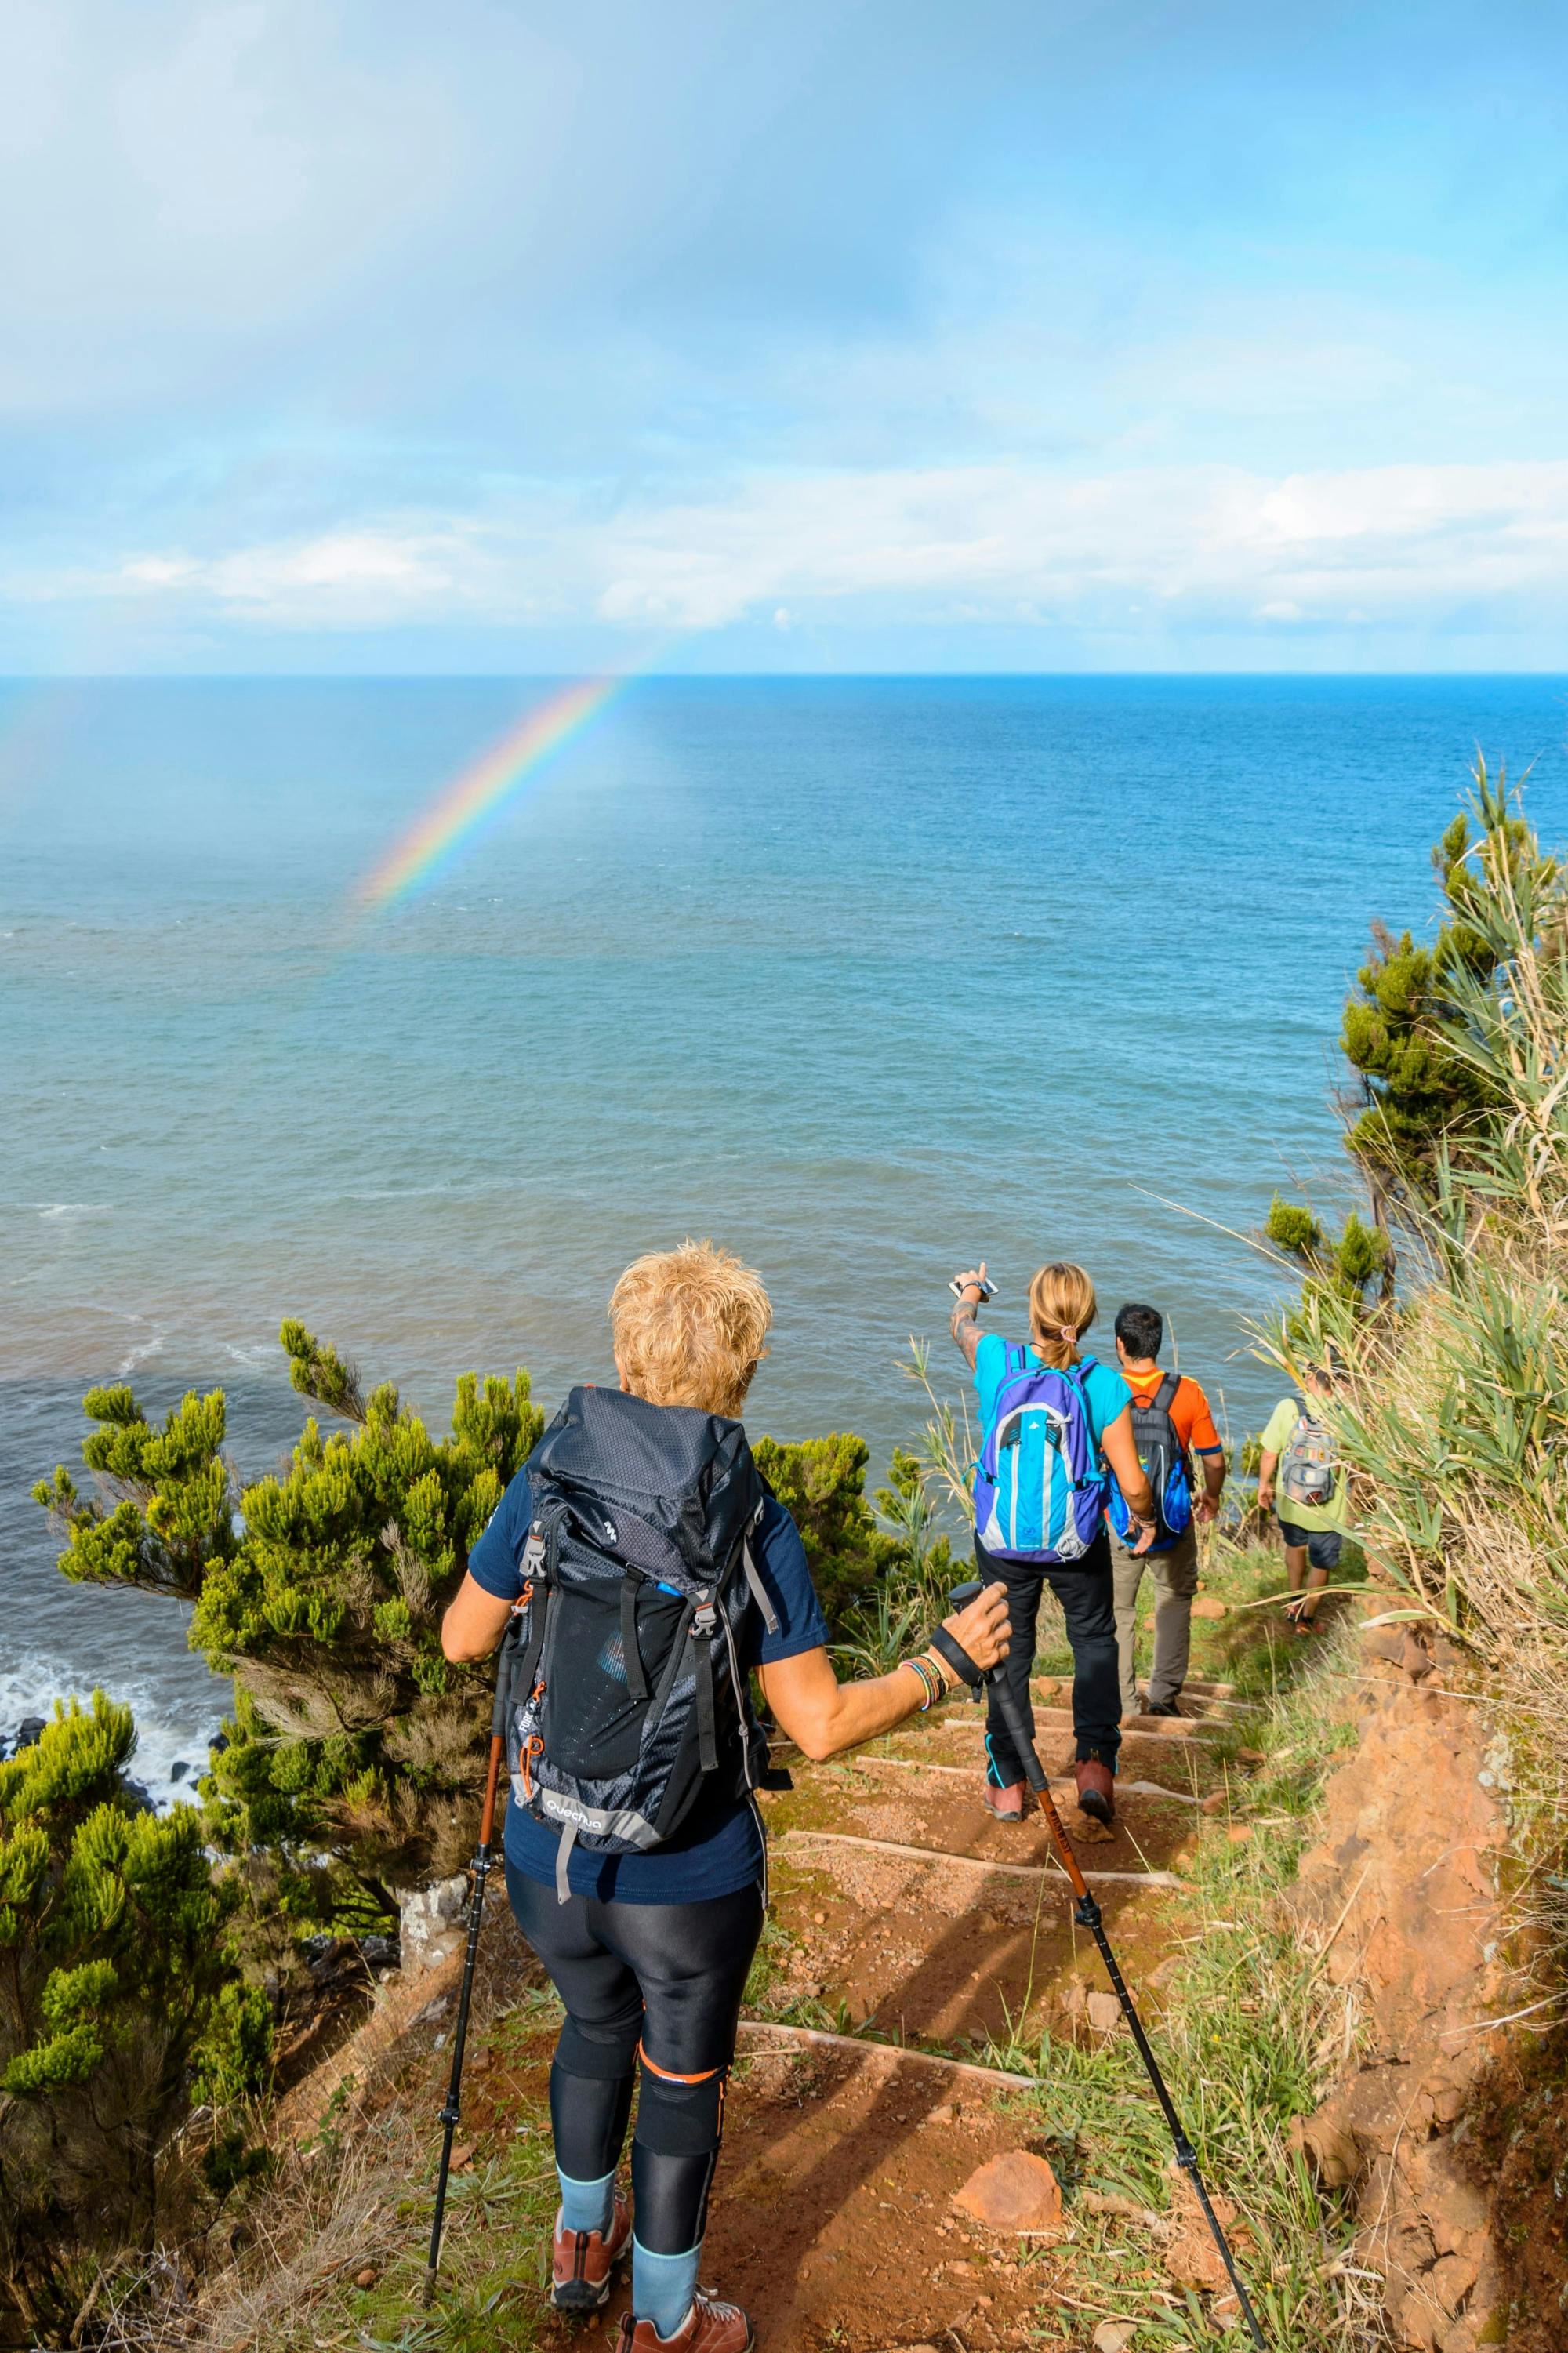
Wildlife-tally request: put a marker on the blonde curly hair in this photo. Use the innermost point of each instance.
(688, 1327)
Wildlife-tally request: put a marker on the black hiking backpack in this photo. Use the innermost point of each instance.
(628, 1697)
(1165, 1462)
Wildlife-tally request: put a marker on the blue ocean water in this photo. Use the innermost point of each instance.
(868, 977)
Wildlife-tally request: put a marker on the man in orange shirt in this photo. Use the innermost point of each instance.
(1173, 1428)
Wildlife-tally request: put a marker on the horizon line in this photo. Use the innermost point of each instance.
(706, 677)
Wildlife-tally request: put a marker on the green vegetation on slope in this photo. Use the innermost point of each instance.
(119, 2002)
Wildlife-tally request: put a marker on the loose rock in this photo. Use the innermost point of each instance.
(427, 1917)
(1104, 2012)
(1015, 2192)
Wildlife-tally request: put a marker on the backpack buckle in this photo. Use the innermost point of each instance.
(704, 1618)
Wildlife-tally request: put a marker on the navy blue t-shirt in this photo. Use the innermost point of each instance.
(718, 1850)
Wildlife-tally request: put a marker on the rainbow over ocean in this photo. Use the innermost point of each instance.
(499, 772)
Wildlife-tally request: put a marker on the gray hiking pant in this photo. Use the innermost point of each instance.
(1176, 1575)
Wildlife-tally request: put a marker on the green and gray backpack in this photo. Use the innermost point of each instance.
(1308, 1470)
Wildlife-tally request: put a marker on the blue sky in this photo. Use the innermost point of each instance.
(360, 335)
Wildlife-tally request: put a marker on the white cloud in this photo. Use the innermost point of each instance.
(1398, 542)
(1137, 551)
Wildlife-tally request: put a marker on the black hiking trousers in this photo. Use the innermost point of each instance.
(1086, 1592)
(651, 1990)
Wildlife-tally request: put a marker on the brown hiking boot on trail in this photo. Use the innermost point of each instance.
(709, 2327)
(1096, 1789)
(1008, 1805)
(583, 2260)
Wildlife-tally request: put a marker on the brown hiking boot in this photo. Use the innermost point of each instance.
(1009, 1805)
(1095, 1788)
(709, 2327)
(583, 2260)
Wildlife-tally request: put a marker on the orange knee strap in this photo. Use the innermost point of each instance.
(668, 2074)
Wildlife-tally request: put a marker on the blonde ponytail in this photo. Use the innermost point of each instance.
(1062, 1305)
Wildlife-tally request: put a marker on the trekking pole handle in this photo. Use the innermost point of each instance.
(1034, 1773)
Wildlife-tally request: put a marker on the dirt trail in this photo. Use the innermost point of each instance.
(831, 2220)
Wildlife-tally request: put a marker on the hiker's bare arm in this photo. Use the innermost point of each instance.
(474, 1623)
(823, 1716)
(1266, 1466)
(1121, 1453)
(1207, 1504)
(964, 1321)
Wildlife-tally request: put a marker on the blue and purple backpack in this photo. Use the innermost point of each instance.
(1039, 1491)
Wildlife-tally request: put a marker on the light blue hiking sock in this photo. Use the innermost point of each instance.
(586, 2205)
(663, 2287)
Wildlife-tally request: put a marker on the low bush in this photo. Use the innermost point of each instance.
(120, 2002)
(356, 1752)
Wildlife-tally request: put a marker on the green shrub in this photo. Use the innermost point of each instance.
(120, 1999)
(355, 1755)
(1417, 1088)
(321, 1591)
(821, 1482)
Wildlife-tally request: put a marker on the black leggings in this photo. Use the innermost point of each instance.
(659, 1983)
(1086, 1592)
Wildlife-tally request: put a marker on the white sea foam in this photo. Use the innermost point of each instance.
(57, 1209)
(399, 1193)
(30, 1686)
(139, 1355)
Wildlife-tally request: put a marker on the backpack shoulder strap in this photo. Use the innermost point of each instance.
(753, 1575)
(1014, 1361)
(1164, 1397)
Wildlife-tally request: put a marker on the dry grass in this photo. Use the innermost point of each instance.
(1453, 1407)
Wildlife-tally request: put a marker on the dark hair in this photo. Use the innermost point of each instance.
(1140, 1331)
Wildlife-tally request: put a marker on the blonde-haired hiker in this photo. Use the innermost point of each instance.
(1053, 1418)
(645, 1571)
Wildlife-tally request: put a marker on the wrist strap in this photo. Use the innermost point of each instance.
(957, 1657)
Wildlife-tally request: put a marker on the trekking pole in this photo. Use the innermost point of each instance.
(1086, 1913)
(481, 1871)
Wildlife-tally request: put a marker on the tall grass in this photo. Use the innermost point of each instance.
(1453, 1407)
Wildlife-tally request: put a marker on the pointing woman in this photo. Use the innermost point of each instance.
(1053, 1418)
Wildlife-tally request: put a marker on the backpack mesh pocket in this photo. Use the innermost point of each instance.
(594, 1712)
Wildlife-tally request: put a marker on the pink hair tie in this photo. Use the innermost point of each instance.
(1069, 1332)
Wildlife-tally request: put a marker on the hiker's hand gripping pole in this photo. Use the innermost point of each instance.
(1086, 1913)
(452, 2111)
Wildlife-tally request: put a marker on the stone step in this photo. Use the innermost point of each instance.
(1176, 1728)
(764, 2030)
(1206, 1705)
(966, 1773)
(1153, 1879)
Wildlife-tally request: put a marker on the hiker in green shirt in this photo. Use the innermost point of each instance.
(1297, 1465)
